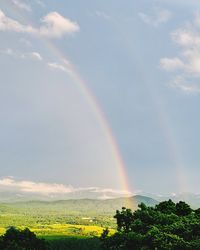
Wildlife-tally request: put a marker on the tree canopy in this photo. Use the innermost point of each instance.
(16, 239)
(167, 226)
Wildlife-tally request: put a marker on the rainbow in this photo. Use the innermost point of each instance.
(89, 97)
(164, 121)
(100, 116)
(166, 127)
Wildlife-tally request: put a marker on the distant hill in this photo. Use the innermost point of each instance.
(82, 206)
(145, 199)
(98, 196)
(190, 198)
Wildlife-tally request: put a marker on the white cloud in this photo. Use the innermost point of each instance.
(8, 24)
(105, 197)
(41, 188)
(186, 37)
(158, 17)
(56, 25)
(185, 66)
(192, 57)
(57, 66)
(35, 55)
(33, 187)
(110, 190)
(64, 66)
(180, 82)
(22, 5)
(53, 25)
(17, 54)
(171, 64)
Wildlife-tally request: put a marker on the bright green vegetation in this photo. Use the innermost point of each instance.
(80, 218)
(56, 231)
(48, 222)
(167, 226)
(63, 224)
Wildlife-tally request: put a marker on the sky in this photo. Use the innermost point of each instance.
(100, 94)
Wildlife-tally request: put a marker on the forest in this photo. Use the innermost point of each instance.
(165, 226)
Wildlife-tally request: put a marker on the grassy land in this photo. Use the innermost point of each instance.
(63, 230)
(61, 235)
(66, 218)
(54, 221)
(69, 224)
(55, 231)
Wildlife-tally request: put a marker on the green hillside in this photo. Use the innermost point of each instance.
(79, 206)
(54, 218)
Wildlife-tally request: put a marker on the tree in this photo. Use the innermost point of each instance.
(166, 207)
(183, 208)
(167, 226)
(124, 219)
(15, 239)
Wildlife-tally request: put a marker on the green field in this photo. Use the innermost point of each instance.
(82, 218)
(66, 224)
(54, 219)
(55, 231)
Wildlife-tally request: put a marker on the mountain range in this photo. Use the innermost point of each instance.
(97, 196)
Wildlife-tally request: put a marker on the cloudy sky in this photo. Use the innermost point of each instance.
(85, 83)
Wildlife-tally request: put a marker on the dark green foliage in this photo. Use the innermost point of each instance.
(75, 244)
(104, 239)
(15, 239)
(167, 226)
(124, 219)
(183, 208)
(166, 207)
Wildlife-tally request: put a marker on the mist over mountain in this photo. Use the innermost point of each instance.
(12, 190)
(90, 193)
(98, 194)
